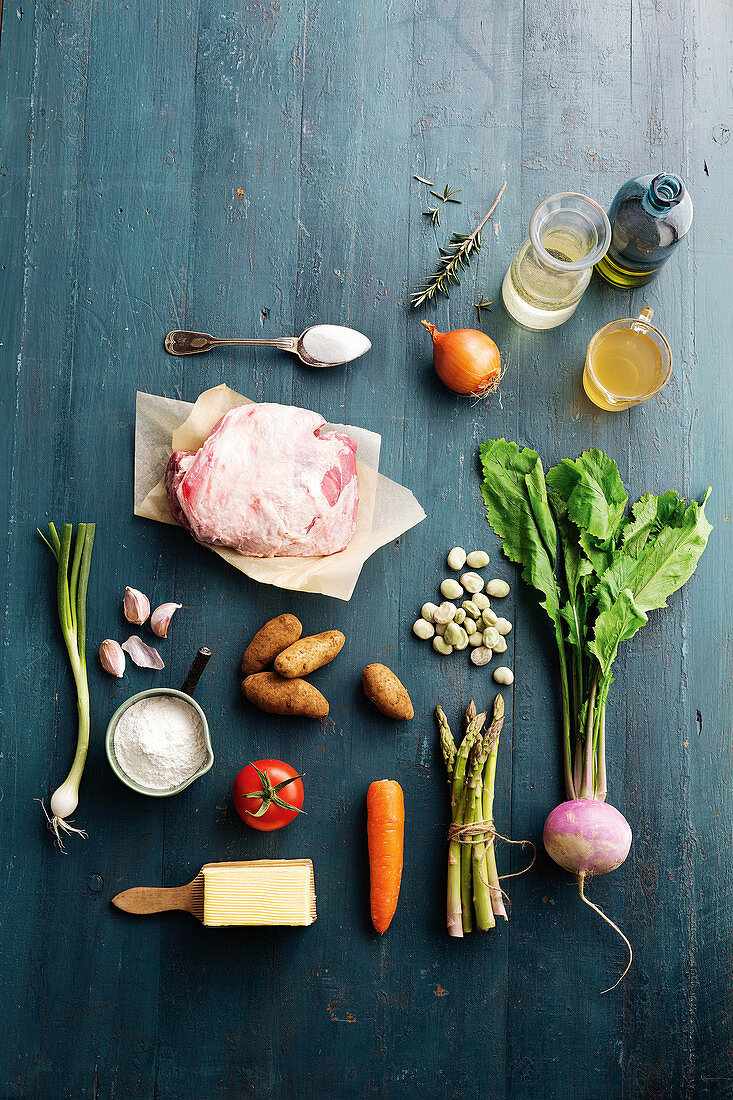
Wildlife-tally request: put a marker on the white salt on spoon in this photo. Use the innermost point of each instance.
(333, 344)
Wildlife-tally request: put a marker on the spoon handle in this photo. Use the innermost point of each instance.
(285, 343)
(184, 342)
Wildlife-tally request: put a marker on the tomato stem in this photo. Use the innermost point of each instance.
(269, 795)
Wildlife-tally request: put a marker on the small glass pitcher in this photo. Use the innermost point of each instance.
(568, 234)
(628, 361)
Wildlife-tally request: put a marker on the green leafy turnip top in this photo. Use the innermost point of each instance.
(599, 571)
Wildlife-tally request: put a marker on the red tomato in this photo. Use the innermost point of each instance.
(268, 794)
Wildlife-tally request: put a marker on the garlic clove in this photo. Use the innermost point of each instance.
(143, 655)
(111, 657)
(136, 606)
(161, 617)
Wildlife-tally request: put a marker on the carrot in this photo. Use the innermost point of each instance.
(385, 834)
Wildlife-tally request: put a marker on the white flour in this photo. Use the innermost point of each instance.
(334, 343)
(159, 742)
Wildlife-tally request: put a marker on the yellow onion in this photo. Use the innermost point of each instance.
(465, 360)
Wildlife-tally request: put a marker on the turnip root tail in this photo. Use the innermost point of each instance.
(599, 911)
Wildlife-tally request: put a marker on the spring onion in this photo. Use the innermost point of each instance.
(71, 593)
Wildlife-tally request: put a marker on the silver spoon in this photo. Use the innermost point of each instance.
(181, 342)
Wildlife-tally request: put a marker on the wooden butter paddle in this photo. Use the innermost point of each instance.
(142, 900)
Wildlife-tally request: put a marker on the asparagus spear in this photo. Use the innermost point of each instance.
(447, 743)
(455, 905)
(480, 884)
(466, 860)
(472, 779)
(489, 868)
(473, 730)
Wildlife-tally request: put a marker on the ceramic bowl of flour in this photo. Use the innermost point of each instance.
(158, 742)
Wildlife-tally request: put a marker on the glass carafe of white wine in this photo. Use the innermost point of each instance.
(568, 234)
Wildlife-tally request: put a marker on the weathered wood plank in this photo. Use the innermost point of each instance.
(703, 748)
(243, 249)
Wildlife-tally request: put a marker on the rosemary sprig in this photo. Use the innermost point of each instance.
(453, 259)
(420, 179)
(482, 303)
(448, 194)
(433, 212)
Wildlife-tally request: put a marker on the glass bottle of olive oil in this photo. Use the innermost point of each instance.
(649, 217)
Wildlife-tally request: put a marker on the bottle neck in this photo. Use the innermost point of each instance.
(665, 192)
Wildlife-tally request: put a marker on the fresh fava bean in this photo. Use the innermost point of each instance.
(453, 633)
(472, 582)
(481, 655)
(503, 675)
(445, 613)
(423, 629)
(476, 639)
(462, 642)
(469, 625)
(491, 637)
(488, 618)
(481, 600)
(503, 626)
(441, 646)
(497, 588)
(500, 646)
(451, 589)
(428, 612)
(459, 616)
(440, 629)
(457, 558)
(477, 559)
(471, 608)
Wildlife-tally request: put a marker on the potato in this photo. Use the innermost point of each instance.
(274, 694)
(272, 639)
(388, 694)
(308, 654)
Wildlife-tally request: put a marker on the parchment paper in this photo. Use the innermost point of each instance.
(386, 509)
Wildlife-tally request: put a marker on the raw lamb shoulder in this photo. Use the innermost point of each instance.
(269, 483)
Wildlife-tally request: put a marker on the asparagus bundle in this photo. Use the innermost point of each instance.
(474, 893)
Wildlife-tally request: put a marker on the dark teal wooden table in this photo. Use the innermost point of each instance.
(247, 168)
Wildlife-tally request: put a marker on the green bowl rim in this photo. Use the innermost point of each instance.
(109, 741)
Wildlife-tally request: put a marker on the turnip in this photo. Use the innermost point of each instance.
(599, 572)
(589, 837)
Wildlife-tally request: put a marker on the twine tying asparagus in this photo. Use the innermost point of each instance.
(470, 834)
(474, 834)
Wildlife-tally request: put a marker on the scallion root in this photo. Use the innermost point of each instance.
(59, 825)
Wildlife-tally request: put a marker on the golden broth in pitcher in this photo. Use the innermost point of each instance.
(624, 366)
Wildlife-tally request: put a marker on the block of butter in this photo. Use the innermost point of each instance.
(259, 892)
